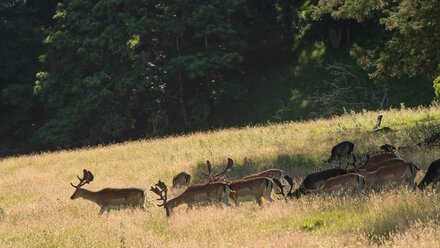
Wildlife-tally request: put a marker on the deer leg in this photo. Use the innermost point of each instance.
(435, 181)
(259, 201)
(102, 210)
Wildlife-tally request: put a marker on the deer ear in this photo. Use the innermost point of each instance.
(230, 161)
(90, 176)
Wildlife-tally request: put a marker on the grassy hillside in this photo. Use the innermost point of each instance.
(35, 209)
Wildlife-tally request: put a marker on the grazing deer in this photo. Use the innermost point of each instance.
(210, 192)
(109, 198)
(351, 182)
(277, 174)
(314, 181)
(256, 187)
(339, 151)
(392, 172)
(181, 179)
(432, 175)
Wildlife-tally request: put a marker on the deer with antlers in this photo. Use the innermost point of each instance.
(256, 187)
(210, 192)
(108, 198)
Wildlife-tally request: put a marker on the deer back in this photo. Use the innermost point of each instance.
(201, 193)
(374, 167)
(381, 157)
(252, 186)
(271, 173)
(345, 182)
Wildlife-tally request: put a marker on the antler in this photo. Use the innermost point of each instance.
(161, 190)
(227, 167)
(87, 178)
(209, 174)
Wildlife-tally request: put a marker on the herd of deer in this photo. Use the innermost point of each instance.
(372, 173)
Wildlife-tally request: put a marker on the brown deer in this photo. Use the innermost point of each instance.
(256, 187)
(181, 179)
(109, 198)
(391, 172)
(372, 163)
(271, 173)
(348, 183)
(373, 167)
(339, 151)
(210, 192)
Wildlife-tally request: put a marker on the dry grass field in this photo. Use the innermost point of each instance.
(35, 209)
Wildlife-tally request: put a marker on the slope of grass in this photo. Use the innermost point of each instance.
(35, 209)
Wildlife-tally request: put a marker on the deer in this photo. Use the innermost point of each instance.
(256, 187)
(370, 163)
(432, 175)
(272, 174)
(210, 192)
(370, 167)
(109, 198)
(351, 182)
(181, 179)
(391, 172)
(314, 181)
(339, 151)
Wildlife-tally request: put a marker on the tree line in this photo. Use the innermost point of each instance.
(85, 72)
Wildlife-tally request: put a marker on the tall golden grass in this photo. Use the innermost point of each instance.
(35, 209)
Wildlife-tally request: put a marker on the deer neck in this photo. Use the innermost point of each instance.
(176, 201)
(369, 176)
(87, 194)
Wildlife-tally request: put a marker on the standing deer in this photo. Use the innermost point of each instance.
(432, 175)
(210, 192)
(256, 187)
(109, 198)
(339, 151)
(181, 179)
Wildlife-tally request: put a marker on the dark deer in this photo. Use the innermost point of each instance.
(109, 198)
(432, 175)
(181, 179)
(388, 148)
(341, 150)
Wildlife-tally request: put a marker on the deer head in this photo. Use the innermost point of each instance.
(161, 190)
(355, 161)
(87, 178)
(217, 177)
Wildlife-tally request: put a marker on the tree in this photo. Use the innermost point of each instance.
(411, 35)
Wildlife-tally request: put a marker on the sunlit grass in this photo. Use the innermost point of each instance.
(35, 209)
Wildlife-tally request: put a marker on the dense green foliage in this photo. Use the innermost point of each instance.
(81, 72)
